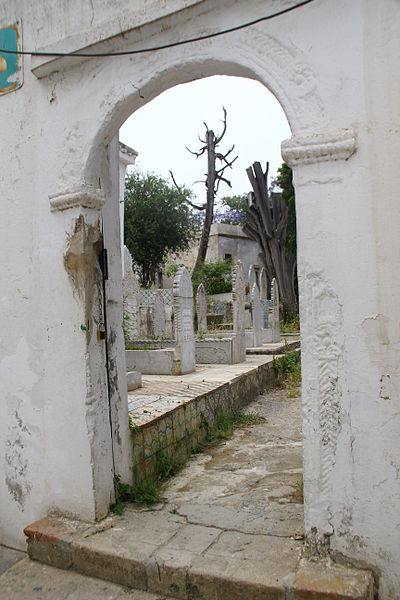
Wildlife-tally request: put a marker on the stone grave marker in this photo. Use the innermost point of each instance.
(256, 310)
(276, 332)
(158, 316)
(183, 321)
(263, 284)
(252, 276)
(201, 308)
(238, 313)
(131, 298)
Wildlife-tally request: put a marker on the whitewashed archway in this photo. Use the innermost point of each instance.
(320, 66)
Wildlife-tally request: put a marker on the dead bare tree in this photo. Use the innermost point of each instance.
(266, 222)
(214, 177)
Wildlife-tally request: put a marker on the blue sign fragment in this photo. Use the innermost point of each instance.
(11, 73)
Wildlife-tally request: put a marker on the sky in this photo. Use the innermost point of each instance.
(160, 131)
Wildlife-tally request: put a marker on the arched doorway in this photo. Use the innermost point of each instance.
(84, 104)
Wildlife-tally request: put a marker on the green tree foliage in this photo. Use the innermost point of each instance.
(215, 276)
(285, 182)
(233, 210)
(158, 220)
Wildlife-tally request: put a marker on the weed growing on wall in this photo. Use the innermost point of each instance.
(288, 372)
(166, 465)
(226, 422)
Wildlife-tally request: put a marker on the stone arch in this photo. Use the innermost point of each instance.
(121, 86)
(283, 69)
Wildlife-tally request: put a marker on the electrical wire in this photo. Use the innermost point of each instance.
(162, 46)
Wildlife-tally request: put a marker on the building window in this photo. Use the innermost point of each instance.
(227, 256)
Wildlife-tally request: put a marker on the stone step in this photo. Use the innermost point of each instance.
(147, 551)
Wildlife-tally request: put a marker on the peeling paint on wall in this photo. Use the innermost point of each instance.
(17, 465)
(17, 452)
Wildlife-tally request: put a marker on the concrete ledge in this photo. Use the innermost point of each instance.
(143, 552)
(152, 362)
(133, 380)
(329, 581)
(176, 425)
(274, 349)
(214, 351)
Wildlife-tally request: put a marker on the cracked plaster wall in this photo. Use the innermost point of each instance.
(341, 77)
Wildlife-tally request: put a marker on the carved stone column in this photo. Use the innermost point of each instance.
(322, 178)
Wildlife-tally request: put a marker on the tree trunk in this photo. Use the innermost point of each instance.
(201, 255)
(267, 223)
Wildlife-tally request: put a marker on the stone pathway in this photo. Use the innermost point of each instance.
(250, 483)
(30, 580)
(229, 527)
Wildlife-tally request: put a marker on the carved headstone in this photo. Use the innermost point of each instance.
(276, 332)
(256, 309)
(201, 308)
(238, 313)
(183, 321)
(131, 299)
(169, 321)
(252, 276)
(265, 309)
(159, 315)
(146, 322)
(263, 284)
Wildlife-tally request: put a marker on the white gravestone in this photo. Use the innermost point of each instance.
(256, 310)
(131, 298)
(252, 277)
(238, 313)
(276, 332)
(183, 321)
(159, 316)
(263, 284)
(201, 308)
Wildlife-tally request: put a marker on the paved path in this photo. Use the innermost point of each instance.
(229, 527)
(250, 483)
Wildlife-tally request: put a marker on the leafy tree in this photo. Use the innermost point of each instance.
(215, 276)
(158, 220)
(233, 210)
(285, 182)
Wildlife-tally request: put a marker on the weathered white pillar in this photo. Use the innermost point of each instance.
(333, 270)
(117, 382)
(127, 157)
(77, 324)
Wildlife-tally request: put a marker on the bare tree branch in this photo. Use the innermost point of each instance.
(219, 138)
(197, 154)
(219, 178)
(224, 156)
(228, 164)
(186, 199)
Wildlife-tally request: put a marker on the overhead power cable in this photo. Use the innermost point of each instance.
(199, 38)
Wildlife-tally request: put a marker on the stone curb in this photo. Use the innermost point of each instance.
(288, 347)
(60, 543)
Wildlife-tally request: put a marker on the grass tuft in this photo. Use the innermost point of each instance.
(288, 372)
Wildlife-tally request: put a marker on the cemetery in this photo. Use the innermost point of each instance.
(159, 324)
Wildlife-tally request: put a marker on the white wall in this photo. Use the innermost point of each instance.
(230, 239)
(335, 72)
